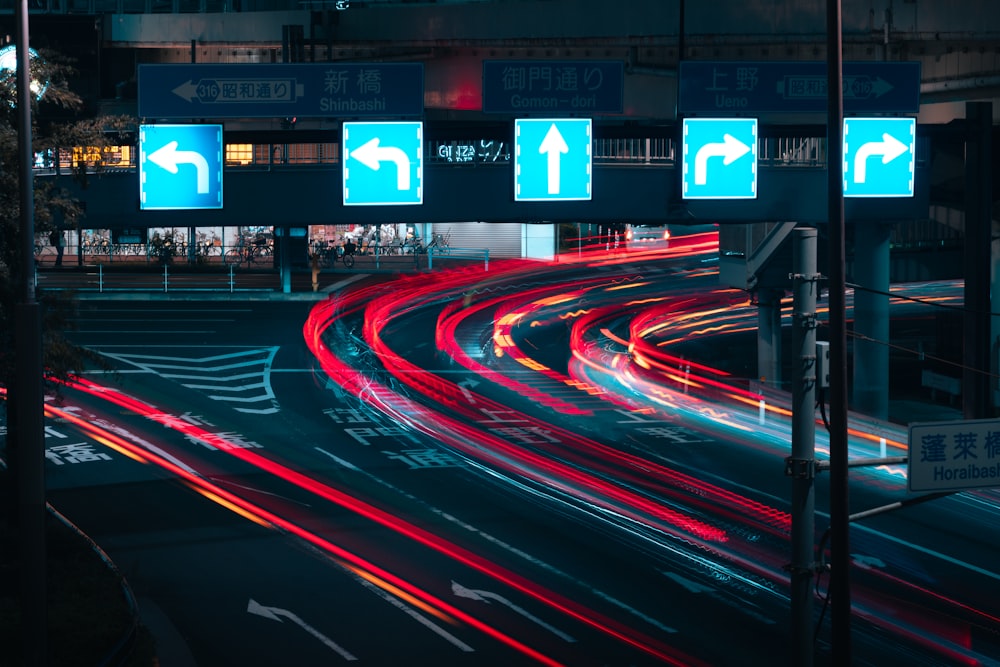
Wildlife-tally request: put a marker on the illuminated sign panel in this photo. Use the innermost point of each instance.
(180, 166)
(383, 163)
(879, 157)
(719, 158)
(552, 159)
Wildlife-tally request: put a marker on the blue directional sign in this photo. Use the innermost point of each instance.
(280, 90)
(180, 166)
(553, 86)
(552, 159)
(795, 87)
(879, 157)
(719, 158)
(383, 163)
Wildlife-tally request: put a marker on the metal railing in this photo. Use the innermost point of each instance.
(95, 278)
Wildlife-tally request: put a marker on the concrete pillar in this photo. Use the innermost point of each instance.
(871, 320)
(769, 336)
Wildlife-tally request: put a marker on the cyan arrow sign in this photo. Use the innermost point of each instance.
(730, 150)
(372, 156)
(370, 146)
(552, 159)
(719, 158)
(180, 166)
(889, 148)
(879, 157)
(169, 157)
(553, 146)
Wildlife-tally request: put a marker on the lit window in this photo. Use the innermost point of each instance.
(239, 154)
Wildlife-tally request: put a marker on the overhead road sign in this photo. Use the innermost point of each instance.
(383, 163)
(879, 157)
(180, 166)
(553, 86)
(281, 90)
(553, 159)
(954, 455)
(719, 158)
(795, 87)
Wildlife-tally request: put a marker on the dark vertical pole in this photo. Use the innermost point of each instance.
(840, 557)
(976, 403)
(801, 465)
(28, 397)
(678, 118)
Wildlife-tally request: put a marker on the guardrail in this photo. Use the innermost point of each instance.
(449, 252)
(95, 278)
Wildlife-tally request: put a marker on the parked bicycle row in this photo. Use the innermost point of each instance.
(159, 249)
(244, 246)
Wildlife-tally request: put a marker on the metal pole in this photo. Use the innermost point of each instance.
(28, 396)
(977, 402)
(840, 558)
(801, 465)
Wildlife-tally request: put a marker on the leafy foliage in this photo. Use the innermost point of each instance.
(54, 206)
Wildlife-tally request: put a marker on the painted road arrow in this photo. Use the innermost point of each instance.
(889, 149)
(169, 157)
(275, 614)
(553, 146)
(485, 596)
(372, 156)
(730, 150)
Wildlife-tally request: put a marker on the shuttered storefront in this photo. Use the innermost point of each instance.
(502, 238)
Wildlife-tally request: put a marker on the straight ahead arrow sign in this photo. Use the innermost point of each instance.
(553, 146)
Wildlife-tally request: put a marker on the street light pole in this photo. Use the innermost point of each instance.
(27, 393)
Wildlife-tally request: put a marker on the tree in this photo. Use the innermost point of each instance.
(55, 207)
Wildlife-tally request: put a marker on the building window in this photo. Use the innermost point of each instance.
(239, 154)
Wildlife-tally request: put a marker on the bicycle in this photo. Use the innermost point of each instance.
(244, 252)
(347, 252)
(439, 244)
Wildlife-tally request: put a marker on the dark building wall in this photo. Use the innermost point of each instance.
(633, 194)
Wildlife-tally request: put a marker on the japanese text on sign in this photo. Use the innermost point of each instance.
(954, 455)
(566, 86)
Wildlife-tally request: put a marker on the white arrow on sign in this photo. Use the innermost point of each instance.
(553, 146)
(372, 156)
(169, 157)
(889, 148)
(730, 150)
(485, 596)
(187, 90)
(275, 614)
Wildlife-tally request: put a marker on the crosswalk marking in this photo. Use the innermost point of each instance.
(241, 378)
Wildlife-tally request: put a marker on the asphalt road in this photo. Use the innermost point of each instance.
(271, 516)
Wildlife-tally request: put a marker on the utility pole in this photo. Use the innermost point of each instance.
(27, 392)
(840, 556)
(801, 465)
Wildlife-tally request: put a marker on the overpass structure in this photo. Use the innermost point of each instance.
(637, 71)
